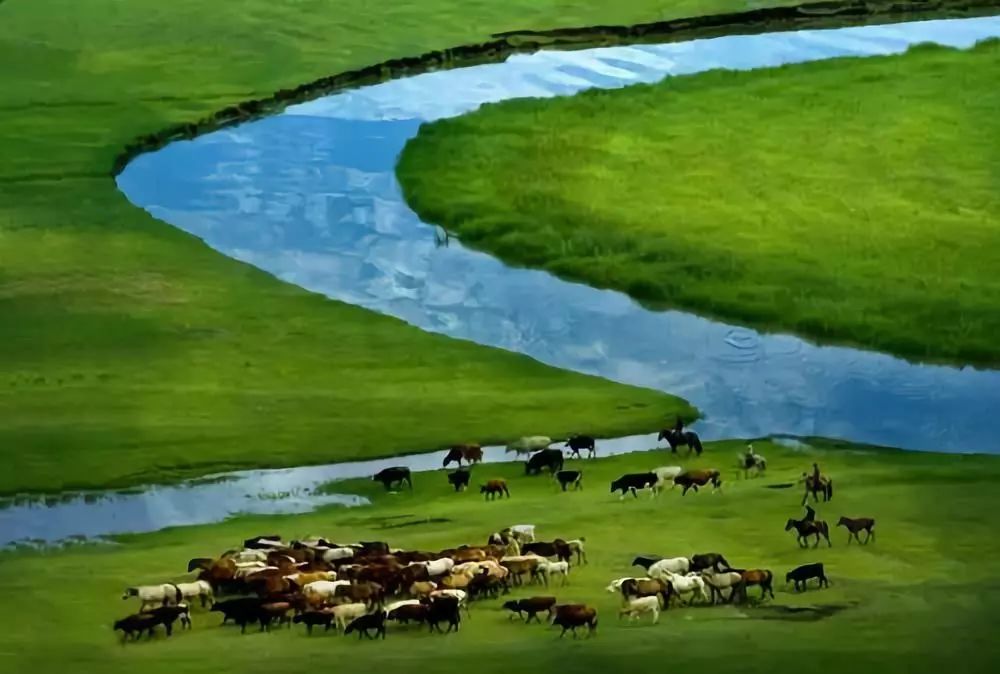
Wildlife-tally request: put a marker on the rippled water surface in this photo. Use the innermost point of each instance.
(310, 195)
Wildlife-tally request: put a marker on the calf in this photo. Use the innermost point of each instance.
(134, 625)
(633, 482)
(637, 607)
(396, 475)
(570, 477)
(531, 606)
(459, 479)
(322, 617)
(571, 616)
(805, 573)
(366, 623)
(493, 488)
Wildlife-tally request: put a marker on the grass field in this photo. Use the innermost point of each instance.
(129, 352)
(850, 201)
(921, 598)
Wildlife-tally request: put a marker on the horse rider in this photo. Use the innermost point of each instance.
(816, 476)
(749, 458)
(810, 514)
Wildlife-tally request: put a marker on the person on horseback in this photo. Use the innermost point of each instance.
(810, 514)
(679, 426)
(816, 476)
(749, 458)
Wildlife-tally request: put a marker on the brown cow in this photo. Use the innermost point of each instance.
(571, 616)
(469, 453)
(494, 488)
(692, 479)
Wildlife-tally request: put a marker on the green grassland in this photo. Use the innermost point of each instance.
(129, 352)
(852, 201)
(921, 598)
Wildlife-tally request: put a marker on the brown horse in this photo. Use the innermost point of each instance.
(806, 528)
(469, 453)
(761, 577)
(824, 486)
(854, 527)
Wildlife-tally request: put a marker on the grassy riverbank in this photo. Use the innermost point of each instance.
(919, 599)
(130, 352)
(850, 201)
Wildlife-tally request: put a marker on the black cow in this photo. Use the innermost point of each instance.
(570, 477)
(633, 482)
(547, 458)
(444, 609)
(372, 621)
(459, 479)
(807, 572)
(578, 442)
(396, 475)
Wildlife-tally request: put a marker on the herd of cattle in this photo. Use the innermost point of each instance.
(363, 587)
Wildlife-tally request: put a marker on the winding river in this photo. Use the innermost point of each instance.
(310, 195)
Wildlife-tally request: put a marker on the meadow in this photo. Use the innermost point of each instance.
(921, 598)
(850, 201)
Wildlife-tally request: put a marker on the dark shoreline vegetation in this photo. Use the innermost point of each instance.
(134, 354)
(921, 594)
(796, 242)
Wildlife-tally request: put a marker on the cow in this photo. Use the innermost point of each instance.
(459, 479)
(494, 488)
(572, 616)
(547, 458)
(570, 477)
(578, 442)
(633, 482)
(396, 475)
(470, 453)
(805, 573)
(693, 479)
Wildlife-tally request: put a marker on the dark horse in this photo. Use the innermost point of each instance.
(823, 486)
(678, 437)
(856, 526)
(579, 442)
(806, 528)
(460, 453)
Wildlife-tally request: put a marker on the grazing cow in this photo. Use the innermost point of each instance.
(459, 479)
(693, 479)
(311, 619)
(531, 606)
(366, 623)
(761, 577)
(578, 442)
(806, 528)
(637, 607)
(570, 477)
(709, 560)
(396, 475)
(856, 526)
(557, 548)
(469, 453)
(577, 546)
(805, 573)
(154, 595)
(444, 609)
(493, 488)
(134, 625)
(572, 616)
(646, 561)
(547, 458)
(633, 482)
(529, 444)
(665, 567)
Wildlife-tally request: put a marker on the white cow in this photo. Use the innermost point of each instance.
(529, 444)
(665, 474)
(641, 605)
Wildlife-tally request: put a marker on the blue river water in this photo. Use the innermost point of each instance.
(310, 195)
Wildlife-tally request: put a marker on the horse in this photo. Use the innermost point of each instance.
(678, 438)
(806, 528)
(825, 487)
(578, 442)
(751, 461)
(854, 527)
(470, 453)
